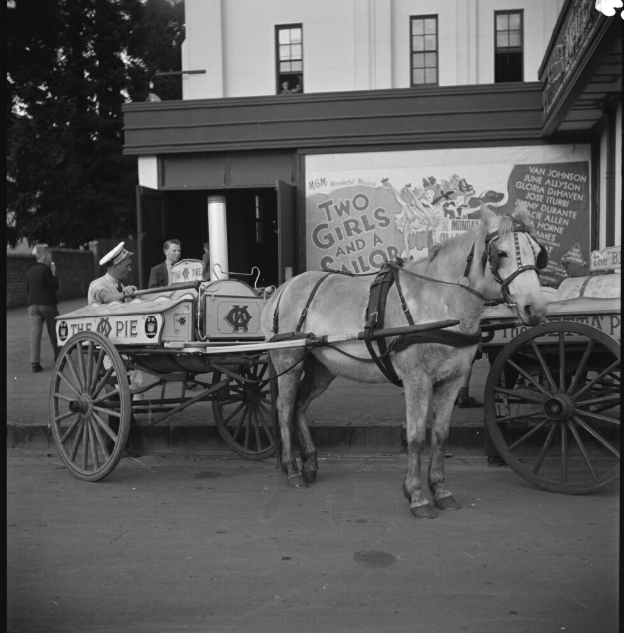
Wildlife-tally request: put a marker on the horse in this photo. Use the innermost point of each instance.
(451, 283)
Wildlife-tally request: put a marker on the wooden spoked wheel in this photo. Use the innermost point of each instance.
(90, 407)
(552, 407)
(245, 412)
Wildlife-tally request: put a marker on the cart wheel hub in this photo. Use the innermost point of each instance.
(79, 406)
(560, 407)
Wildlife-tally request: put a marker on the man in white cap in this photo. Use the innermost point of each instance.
(109, 288)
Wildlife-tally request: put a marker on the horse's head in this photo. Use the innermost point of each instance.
(515, 258)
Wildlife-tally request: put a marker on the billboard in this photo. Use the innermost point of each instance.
(363, 208)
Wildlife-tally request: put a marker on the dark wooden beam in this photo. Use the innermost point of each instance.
(333, 121)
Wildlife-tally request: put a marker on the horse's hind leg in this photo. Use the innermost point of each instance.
(417, 393)
(442, 405)
(315, 381)
(288, 385)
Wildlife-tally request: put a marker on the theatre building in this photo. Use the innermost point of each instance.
(316, 124)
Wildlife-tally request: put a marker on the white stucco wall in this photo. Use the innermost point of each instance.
(148, 171)
(348, 44)
(203, 50)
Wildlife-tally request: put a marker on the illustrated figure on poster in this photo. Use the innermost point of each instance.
(414, 219)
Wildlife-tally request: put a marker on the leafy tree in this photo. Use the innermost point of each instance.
(155, 46)
(71, 64)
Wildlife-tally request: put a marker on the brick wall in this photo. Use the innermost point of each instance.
(74, 269)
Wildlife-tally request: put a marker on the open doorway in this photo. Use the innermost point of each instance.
(251, 224)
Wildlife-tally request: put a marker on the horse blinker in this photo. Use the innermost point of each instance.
(542, 257)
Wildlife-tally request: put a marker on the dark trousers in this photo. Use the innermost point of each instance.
(38, 315)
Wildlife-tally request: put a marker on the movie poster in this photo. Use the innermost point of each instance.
(364, 208)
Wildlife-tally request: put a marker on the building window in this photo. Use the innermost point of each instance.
(289, 47)
(424, 38)
(508, 64)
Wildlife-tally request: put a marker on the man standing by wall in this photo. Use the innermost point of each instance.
(161, 275)
(41, 286)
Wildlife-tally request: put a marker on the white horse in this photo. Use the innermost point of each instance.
(431, 372)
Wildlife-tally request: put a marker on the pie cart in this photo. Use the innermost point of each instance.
(124, 359)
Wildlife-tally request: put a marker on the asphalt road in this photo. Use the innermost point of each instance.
(217, 544)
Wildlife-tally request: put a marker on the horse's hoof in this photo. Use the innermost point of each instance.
(446, 503)
(297, 481)
(423, 512)
(309, 476)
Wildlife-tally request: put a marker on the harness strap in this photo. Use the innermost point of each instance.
(446, 337)
(304, 313)
(408, 316)
(375, 313)
(275, 328)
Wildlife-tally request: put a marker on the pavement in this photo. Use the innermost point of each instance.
(349, 416)
(219, 544)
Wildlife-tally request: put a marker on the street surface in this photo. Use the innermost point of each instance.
(214, 543)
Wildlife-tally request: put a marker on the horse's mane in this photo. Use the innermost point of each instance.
(506, 223)
(520, 216)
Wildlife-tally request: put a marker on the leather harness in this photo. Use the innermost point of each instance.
(375, 314)
(389, 274)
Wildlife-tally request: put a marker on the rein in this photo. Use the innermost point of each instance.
(476, 293)
(491, 256)
(389, 274)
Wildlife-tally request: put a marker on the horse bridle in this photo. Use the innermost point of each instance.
(490, 254)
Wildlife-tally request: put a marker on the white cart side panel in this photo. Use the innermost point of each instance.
(136, 323)
(603, 314)
(232, 317)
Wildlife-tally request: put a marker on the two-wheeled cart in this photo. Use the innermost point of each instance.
(121, 360)
(552, 397)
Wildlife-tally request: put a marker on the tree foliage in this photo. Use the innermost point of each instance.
(71, 64)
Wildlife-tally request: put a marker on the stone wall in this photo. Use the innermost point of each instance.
(74, 269)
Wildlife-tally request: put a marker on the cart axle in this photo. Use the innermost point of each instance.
(560, 407)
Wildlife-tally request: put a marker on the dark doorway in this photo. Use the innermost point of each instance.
(251, 223)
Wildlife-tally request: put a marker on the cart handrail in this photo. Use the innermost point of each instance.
(307, 340)
(189, 284)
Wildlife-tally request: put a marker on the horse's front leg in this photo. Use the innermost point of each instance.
(417, 394)
(442, 405)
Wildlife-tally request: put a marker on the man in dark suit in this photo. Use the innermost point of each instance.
(161, 275)
(41, 286)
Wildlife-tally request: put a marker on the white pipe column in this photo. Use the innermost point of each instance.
(217, 236)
